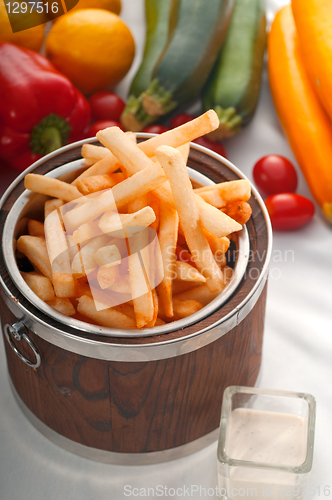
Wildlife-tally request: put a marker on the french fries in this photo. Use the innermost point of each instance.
(215, 221)
(122, 286)
(130, 156)
(134, 161)
(92, 153)
(168, 231)
(139, 272)
(108, 276)
(154, 203)
(184, 199)
(40, 285)
(213, 198)
(84, 261)
(141, 183)
(182, 308)
(182, 286)
(51, 205)
(129, 243)
(238, 210)
(200, 294)
(109, 317)
(57, 248)
(125, 225)
(187, 132)
(34, 247)
(229, 191)
(102, 163)
(51, 187)
(95, 183)
(219, 247)
(36, 228)
(185, 272)
(89, 210)
(84, 233)
(106, 165)
(63, 306)
(107, 256)
(100, 182)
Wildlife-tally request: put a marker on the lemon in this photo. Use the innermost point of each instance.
(92, 47)
(31, 38)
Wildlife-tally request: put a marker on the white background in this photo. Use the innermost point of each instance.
(297, 347)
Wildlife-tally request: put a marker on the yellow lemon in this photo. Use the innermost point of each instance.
(92, 47)
(31, 38)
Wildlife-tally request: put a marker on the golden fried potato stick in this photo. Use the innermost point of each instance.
(51, 205)
(51, 187)
(139, 271)
(36, 228)
(109, 317)
(168, 234)
(125, 225)
(34, 247)
(230, 190)
(185, 272)
(133, 161)
(57, 248)
(40, 285)
(62, 305)
(215, 221)
(184, 199)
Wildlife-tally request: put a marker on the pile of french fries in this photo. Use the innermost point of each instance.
(130, 243)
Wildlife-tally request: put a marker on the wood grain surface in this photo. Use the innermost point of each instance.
(137, 407)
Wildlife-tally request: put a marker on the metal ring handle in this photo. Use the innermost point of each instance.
(18, 331)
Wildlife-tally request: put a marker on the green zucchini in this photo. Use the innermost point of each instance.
(160, 18)
(185, 63)
(233, 87)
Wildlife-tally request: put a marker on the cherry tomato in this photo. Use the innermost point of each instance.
(95, 127)
(106, 105)
(181, 119)
(155, 129)
(275, 174)
(289, 211)
(217, 147)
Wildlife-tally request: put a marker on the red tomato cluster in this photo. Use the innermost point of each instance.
(106, 108)
(276, 177)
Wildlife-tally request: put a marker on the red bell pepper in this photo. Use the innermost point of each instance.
(40, 109)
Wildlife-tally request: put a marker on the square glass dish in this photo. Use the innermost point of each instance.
(266, 442)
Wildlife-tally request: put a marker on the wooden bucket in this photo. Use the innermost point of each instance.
(133, 399)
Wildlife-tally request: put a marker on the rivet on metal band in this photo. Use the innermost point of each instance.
(18, 331)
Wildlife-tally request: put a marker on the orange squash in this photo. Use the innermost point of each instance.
(313, 20)
(305, 122)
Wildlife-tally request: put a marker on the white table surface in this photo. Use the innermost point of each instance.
(297, 353)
